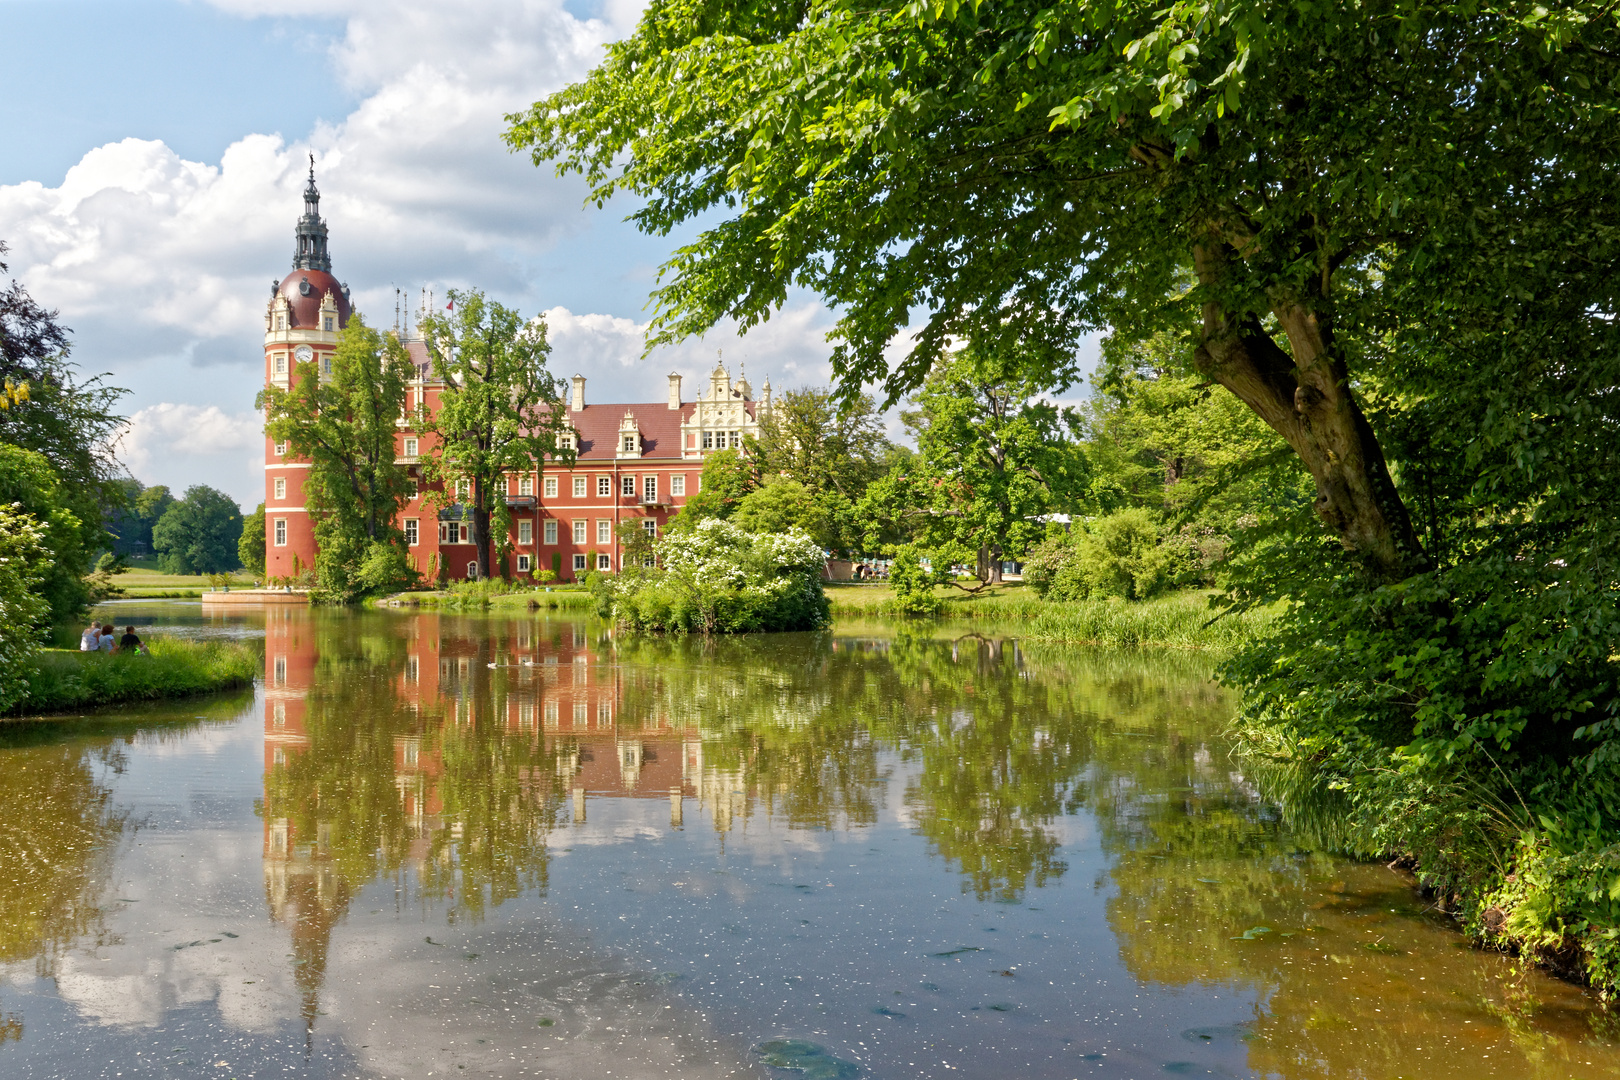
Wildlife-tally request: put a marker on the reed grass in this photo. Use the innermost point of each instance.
(64, 680)
(1181, 620)
(495, 593)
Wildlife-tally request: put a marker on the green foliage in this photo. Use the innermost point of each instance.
(913, 583)
(1120, 555)
(199, 534)
(780, 505)
(67, 680)
(500, 410)
(23, 612)
(72, 527)
(833, 450)
(716, 578)
(727, 478)
(992, 459)
(250, 548)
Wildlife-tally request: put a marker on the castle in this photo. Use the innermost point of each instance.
(635, 462)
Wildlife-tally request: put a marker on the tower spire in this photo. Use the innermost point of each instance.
(309, 251)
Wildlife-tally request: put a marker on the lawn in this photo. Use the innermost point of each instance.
(143, 579)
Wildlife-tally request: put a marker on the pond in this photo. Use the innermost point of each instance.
(439, 844)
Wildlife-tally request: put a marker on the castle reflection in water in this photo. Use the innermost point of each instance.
(489, 737)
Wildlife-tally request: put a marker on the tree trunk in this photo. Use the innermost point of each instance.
(480, 518)
(1306, 399)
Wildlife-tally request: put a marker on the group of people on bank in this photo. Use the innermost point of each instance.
(105, 639)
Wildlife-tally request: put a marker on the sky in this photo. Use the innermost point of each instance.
(157, 152)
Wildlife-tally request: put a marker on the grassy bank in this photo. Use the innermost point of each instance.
(67, 680)
(1181, 620)
(145, 581)
(496, 594)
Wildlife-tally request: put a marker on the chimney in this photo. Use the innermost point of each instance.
(577, 402)
(674, 391)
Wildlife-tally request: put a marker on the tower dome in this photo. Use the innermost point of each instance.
(311, 279)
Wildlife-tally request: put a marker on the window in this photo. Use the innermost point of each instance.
(736, 440)
(677, 485)
(416, 488)
(472, 571)
(579, 563)
(649, 526)
(649, 489)
(525, 533)
(413, 532)
(551, 531)
(410, 447)
(280, 678)
(526, 485)
(525, 715)
(629, 444)
(604, 561)
(327, 326)
(565, 441)
(281, 532)
(551, 487)
(281, 363)
(551, 706)
(326, 361)
(281, 487)
(708, 440)
(413, 669)
(281, 322)
(604, 532)
(579, 487)
(281, 449)
(523, 564)
(280, 714)
(604, 486)
(579, 532)
(581, 712)
(627, 487)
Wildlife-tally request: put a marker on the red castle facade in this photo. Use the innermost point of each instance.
(635, 462)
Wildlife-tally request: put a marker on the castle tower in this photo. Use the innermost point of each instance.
(302, 318)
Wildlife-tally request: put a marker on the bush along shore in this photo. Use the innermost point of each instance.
(718, 578)
(61, 680)
(1183, 620)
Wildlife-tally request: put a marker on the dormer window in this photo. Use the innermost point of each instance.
(328, 321)
(281, 322)
(565, 441)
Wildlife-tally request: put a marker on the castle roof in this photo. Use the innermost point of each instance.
(304, 290)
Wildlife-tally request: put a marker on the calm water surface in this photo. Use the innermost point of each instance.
(519, 846)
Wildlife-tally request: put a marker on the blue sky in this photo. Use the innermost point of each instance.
(157, 150)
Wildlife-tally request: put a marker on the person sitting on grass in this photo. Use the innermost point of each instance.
(108, 639)
(129, 643)
(90, 640)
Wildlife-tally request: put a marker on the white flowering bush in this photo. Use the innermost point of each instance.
(717, 578)
(23, 559)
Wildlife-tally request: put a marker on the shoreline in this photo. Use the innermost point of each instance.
(65, 682)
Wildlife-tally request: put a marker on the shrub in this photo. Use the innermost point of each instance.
(716, 578)
(22, 567)
(1121, 555)
(913, 584)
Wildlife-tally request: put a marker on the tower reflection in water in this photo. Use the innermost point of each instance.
(440, 751)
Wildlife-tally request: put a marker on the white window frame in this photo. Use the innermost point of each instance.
(472, 570)
(413, 532)
(579, 487)
(551, 487)
(525, 485)
(708, 440)
(411, 446)
(649, 526)
(326, 323)
(280, 488)
(526, 534)
(279, 363)
(627, 486)
(581, 530)
(549, 532)
(604, 487)
(677, 484)
(326, 363)
(523, 564)
(629, 444)
(279, 532)
(604, 561)
(604, 531)
(649, 488)
(579, 562)
(281, 449)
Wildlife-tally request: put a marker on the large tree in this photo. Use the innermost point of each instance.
(993, 460)
(500, 410)
(199, 534)
(1033, 172)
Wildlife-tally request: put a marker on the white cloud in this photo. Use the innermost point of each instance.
(161, 265)
(181, 445)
